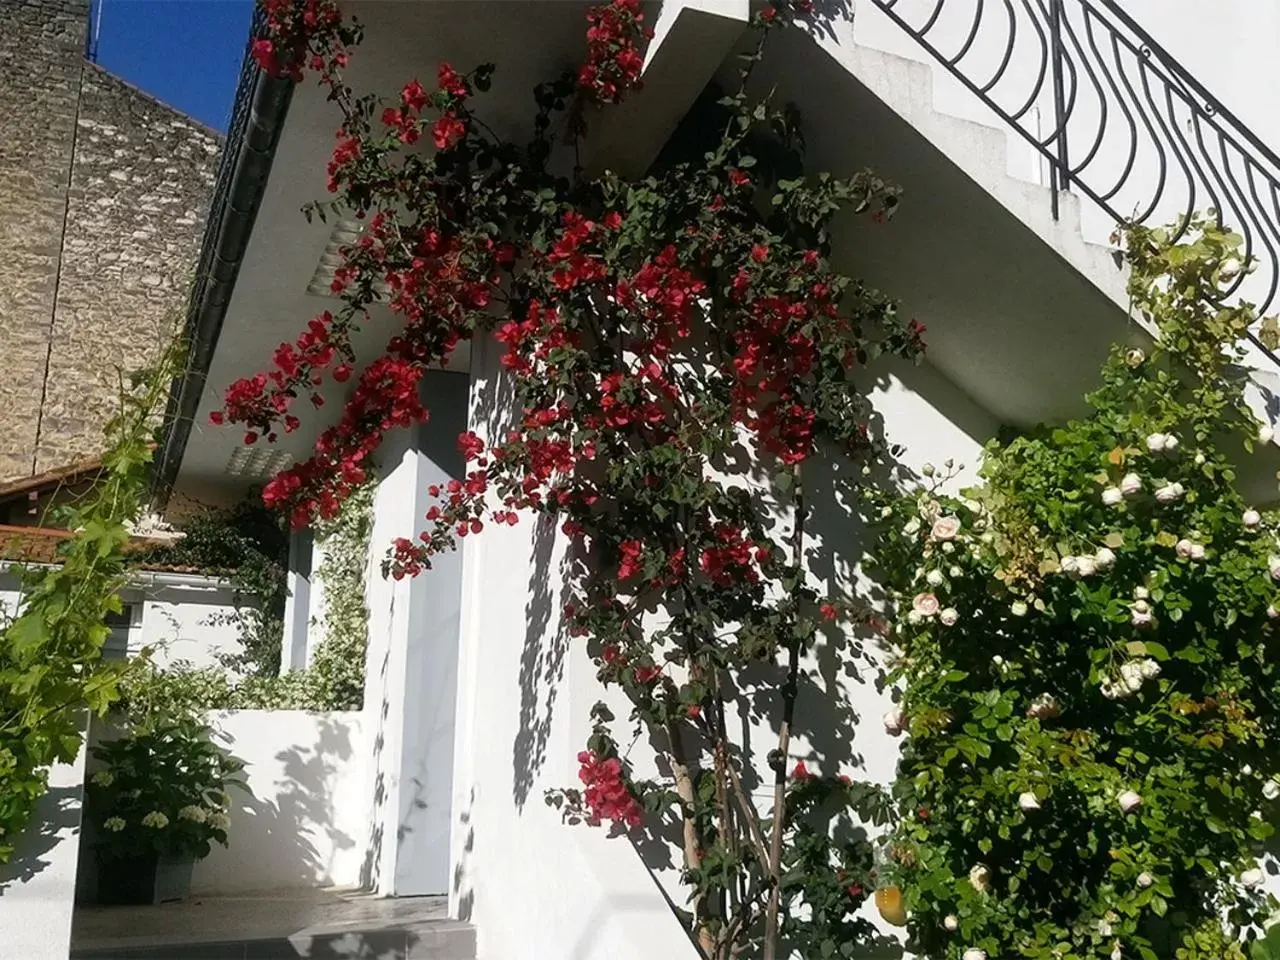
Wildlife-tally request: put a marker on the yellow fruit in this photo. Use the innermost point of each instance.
(889, 903)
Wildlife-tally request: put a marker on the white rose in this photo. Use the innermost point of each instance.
(975, 953)
(1134, 357)
(1273, 564)
(1131, 676)
(1170, 443)
(1130, 484)
(1168, 493)
(1069, 565)
(1266, 434)
(1018, 608)
(946, 528)
(951, 922)
(1145, 880)
(980, 877)
(1251, 518)
(1200, 460)
(1140, 614)
(1271, 789)
(948, 617)
(895, 721)
(1085, 566)
(1044, 707)
(1109, 691)
(1253, 878)
(1111, 496)
(1028, 802)
(1197, 551)
(1141, 593)
(912, 527)
(948, 547)
(925, 604)
(1150, 668)
(954, 571)
(934, 578)
(1105, 558)
(914, 617)
(1183, 548)
(1129, 801)
(1155, 442)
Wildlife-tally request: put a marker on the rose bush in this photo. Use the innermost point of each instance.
(1089, 659)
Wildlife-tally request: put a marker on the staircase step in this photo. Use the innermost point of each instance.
(275, 926)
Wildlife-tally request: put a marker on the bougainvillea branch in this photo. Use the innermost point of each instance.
(658, 335)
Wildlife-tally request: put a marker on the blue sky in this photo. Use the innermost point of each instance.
(184, 52)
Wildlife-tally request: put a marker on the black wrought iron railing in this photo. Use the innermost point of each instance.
(1115, 116)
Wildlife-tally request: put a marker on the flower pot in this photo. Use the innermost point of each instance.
(143, 880)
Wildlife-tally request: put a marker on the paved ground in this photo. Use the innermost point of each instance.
(275, 924)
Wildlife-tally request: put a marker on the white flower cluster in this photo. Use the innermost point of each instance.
(114, 824)
(155, 819)
(219, 821)
(1130, 486)
(1044, 707)
(1162, 443)
(104, 778)
(1086, 565)
(1189, 549)
(1132, 675)
(193, 813)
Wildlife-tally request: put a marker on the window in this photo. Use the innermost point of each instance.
(120, 624)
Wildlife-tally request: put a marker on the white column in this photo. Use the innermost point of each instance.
(297, 606)
(411, 670)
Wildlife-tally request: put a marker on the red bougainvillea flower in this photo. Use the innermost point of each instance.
(606, 795)
(447, 131)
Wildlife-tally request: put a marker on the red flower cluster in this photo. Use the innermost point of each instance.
(385, 398)
(613, 61)
(734, 558)
(301, 34)
(606, 793)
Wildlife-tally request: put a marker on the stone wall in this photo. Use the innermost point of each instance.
(103, 193)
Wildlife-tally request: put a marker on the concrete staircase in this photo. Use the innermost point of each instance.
(279, 925)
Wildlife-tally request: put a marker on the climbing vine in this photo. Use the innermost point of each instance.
(334, 680)
(679, 347)
(1090, 689)
(248, 546)
(50, 651)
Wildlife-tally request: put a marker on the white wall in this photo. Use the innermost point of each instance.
(37, 887)
(306, 822)
(180, 616)
(535, 887)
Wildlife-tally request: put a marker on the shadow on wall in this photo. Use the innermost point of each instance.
(290, 838)
(56, 820)
(371, 866)
(541, 663)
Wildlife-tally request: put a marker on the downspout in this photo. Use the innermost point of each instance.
(262, 102)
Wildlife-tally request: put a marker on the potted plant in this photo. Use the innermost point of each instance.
(158, 803)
